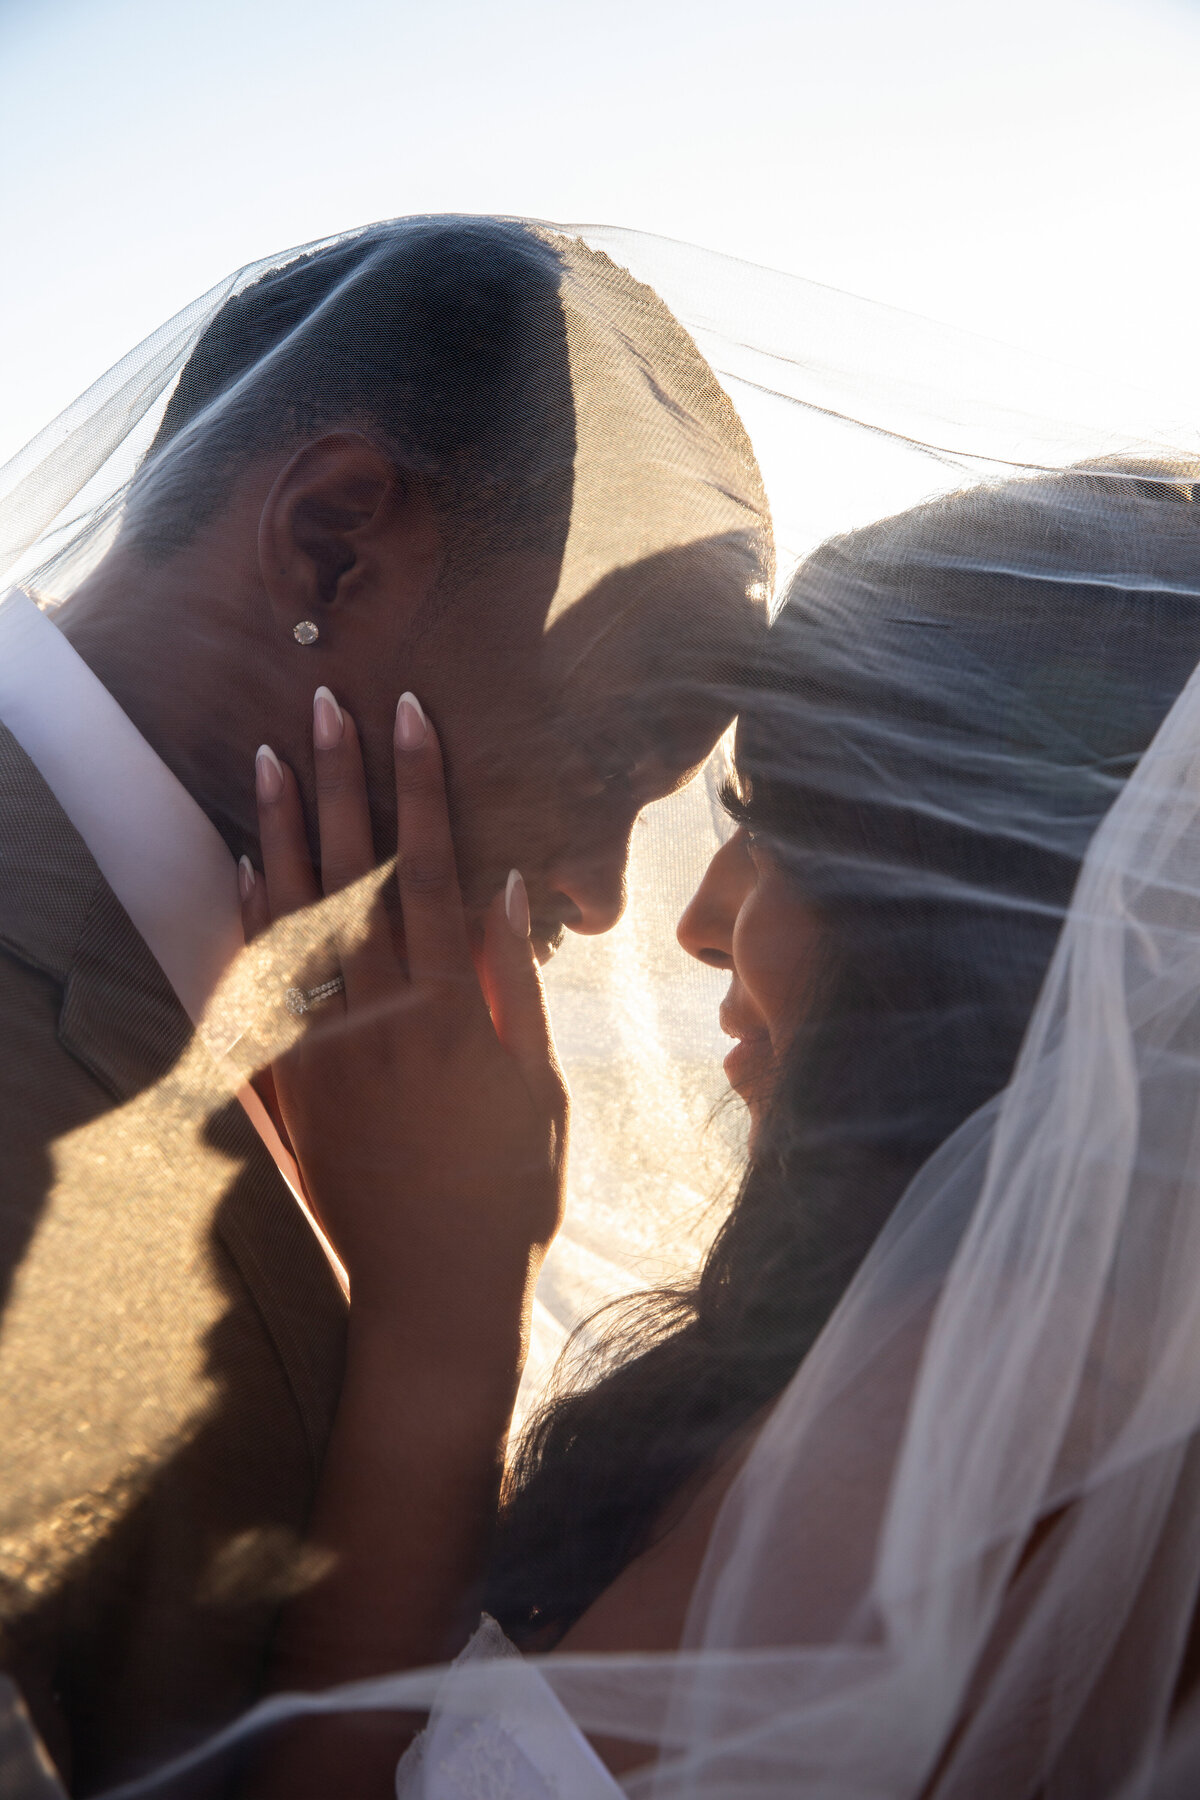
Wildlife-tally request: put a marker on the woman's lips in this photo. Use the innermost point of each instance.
(739, 1065)
(749, 1058)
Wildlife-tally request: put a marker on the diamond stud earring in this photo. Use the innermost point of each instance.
(306, 632)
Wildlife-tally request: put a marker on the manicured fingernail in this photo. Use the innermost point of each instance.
(268, 774)
(516, 904)
(328, 722)
(246, 877)
(410, 723)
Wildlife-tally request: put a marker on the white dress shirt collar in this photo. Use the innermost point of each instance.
(159, 853)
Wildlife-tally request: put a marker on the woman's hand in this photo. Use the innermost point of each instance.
(428, 1116)
(425, 1104)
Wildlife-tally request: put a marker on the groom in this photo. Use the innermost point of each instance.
(463, 457)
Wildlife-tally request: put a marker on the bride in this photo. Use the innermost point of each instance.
(948, 707)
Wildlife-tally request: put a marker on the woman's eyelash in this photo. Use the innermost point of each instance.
(738, 805)
(734, 802)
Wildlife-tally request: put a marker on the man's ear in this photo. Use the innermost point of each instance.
(339, 519)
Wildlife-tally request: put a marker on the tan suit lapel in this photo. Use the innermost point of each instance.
(121, 1019)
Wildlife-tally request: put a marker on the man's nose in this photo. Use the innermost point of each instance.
(594, 888)
(706, 929)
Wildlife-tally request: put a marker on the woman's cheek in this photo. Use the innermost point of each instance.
(775, 943)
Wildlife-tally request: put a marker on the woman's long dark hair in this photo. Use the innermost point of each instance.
(938, 730)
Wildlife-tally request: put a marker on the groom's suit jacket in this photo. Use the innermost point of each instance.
(171, 1333)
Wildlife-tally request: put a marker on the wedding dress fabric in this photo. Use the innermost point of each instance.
(963, 1555)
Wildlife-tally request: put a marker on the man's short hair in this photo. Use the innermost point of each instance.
(442, 339)
(468, 349)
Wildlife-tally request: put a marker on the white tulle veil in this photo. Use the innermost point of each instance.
(963, 1557)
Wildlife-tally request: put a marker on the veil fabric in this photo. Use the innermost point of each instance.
(963, 1555)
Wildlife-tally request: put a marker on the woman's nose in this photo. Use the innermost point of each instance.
(706, 929)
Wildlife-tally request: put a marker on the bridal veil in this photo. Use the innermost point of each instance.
(963, 1557)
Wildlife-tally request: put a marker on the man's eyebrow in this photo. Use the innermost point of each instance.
(658, 716)
(602, 723)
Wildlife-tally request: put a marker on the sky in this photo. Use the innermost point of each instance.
(1026, 170)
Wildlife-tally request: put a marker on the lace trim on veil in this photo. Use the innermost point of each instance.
(516, 1744)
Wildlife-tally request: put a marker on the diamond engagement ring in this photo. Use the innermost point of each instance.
(301, 1000)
